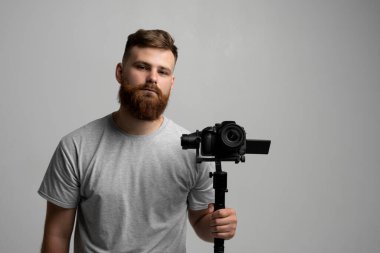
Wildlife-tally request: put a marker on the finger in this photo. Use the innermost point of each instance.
(223, 213)
(223, 229)
(225, 236)
(222, 221)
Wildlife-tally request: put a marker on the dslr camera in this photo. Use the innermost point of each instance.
(225, 141)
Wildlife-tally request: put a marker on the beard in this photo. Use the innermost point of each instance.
(144, 102)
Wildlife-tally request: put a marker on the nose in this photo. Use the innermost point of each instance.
(152, 77)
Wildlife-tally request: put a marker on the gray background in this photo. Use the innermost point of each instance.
(302, 73)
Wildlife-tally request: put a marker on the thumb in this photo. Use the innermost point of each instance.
(211, 208)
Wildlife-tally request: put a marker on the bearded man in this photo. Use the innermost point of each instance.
(125, 177)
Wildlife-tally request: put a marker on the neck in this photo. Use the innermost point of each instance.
(126, 122)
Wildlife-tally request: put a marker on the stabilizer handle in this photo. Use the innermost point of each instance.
(220, 186)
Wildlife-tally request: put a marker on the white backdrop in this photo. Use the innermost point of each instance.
(302, 73)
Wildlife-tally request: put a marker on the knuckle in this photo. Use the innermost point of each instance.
(230, 234)
(221, 212)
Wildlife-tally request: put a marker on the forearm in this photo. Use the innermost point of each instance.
(202, 228)
(55, 244)
(58, 228)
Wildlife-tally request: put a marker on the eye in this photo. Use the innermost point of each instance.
(163, 72)
(141, 66)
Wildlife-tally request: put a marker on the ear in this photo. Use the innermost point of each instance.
(172, 83)
(119, 72)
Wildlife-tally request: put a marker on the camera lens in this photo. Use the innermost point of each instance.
(190, 141)
(233, 136)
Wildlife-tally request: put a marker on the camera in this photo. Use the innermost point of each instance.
(225, 141)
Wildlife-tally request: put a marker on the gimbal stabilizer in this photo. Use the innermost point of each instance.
(223, 142)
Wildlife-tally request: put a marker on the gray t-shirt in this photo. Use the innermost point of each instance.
(132, 192)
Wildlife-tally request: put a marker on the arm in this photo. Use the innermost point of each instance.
(208, 224)
(59, 224)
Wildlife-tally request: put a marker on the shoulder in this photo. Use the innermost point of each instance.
(171, 133)
(174, 128)
(87, 132)
(171, 137)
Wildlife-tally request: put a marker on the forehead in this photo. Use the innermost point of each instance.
(154, 56)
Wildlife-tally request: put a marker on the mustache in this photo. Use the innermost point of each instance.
(151, 87)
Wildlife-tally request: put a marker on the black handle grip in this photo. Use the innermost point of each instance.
(220, 186)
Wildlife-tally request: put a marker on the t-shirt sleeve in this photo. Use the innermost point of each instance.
(202, 192)
(60, 184)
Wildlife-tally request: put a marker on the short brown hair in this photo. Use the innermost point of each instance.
(150, 38)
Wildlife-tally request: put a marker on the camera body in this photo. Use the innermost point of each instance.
(225, 141)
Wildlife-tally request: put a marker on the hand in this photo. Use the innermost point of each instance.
(223, 222)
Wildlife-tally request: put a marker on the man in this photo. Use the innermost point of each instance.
(125, 175)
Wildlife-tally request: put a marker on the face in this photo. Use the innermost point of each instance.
(146, 79)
